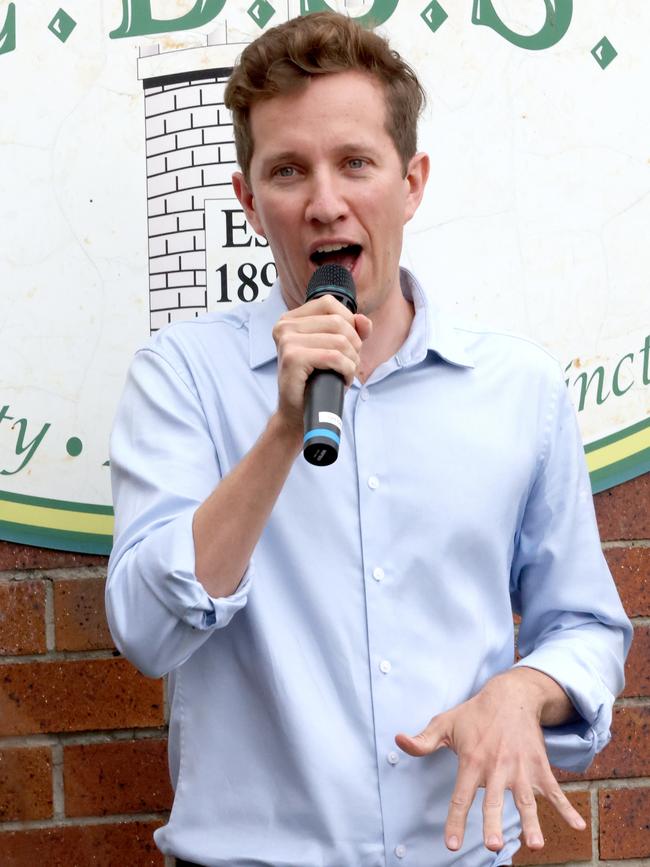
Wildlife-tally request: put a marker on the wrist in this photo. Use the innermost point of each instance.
(544, 695)
(286, 431)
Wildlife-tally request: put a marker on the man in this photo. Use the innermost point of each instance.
(308, 616)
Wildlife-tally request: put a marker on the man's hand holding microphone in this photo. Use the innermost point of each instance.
(319, 345)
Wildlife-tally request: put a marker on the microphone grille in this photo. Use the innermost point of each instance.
(332, 277)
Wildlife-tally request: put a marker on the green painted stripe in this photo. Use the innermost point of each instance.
(92, 543)
(621, 471)
(616, 437)
(64, 505)
(61, 540)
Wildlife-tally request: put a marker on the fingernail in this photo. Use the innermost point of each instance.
(493, 840)
(536, 840)
(452, 843)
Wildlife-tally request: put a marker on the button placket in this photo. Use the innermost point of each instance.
(373, 480)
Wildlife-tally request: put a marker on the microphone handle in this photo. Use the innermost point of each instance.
(323, 410)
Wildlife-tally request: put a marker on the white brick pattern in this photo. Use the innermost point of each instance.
(190, 158)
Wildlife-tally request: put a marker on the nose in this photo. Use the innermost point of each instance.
(326, 201)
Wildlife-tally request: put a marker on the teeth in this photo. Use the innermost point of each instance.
(331, 248)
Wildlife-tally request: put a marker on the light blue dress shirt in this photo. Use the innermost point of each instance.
(380, 593)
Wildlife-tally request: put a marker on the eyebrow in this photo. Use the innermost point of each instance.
(281, 157)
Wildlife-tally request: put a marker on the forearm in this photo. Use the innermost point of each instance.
(228, 525)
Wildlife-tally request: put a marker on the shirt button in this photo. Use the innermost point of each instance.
(378, 573)
(385, 666)
(400, 851)
(365, 394)
(373, 483)
(393, 758)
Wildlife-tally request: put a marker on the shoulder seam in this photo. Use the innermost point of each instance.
(513, 336)
(551, 416)
(171, 367)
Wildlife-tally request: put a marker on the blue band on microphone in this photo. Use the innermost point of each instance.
(322, 432)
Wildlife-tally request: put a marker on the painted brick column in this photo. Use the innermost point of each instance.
(190, 158)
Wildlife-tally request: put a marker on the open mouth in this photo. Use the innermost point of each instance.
(338, 254)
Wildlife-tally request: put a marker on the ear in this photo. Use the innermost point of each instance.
(247, 201)
(417, 174)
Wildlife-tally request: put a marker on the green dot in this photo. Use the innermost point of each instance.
(433, 15)
(604, 52)
(74, 446)
(62, 25)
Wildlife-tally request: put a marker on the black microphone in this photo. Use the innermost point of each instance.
(324, 389)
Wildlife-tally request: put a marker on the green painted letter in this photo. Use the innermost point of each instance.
(646, 361)
(137, 19)
(21, 445)
(380, 12)
(585, 381)
(558, 18)
(616, 388)
(8, 32)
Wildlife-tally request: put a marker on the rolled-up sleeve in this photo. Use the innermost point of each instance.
(163, 466)
(573, 626)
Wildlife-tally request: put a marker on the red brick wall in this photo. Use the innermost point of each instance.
(614, 795)
(83, 774)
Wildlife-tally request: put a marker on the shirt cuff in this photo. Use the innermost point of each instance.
(573, 746)
(170, 558)
(222, 609)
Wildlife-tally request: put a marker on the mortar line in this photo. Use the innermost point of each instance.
(77, 572)
(50, 639)
(58, 796)
(83, 821)
(595, 826)
(102, 736)
(61, 656)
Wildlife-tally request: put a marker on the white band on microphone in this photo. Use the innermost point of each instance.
(330, 418)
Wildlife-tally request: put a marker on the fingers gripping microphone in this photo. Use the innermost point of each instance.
(324, 389)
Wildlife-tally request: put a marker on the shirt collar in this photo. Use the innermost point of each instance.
(263, 317)
(431, 331)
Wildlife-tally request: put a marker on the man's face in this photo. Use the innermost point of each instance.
(326, 185)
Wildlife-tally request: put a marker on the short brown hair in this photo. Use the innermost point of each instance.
(285, 57)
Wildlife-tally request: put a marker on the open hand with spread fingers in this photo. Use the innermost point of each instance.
(498, 739)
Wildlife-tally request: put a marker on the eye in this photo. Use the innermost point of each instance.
(356, 163)
(285, 172)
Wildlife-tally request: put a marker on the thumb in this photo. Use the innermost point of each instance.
(363, 325)
(427, 741)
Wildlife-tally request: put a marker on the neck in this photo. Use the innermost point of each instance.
(390, 327)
